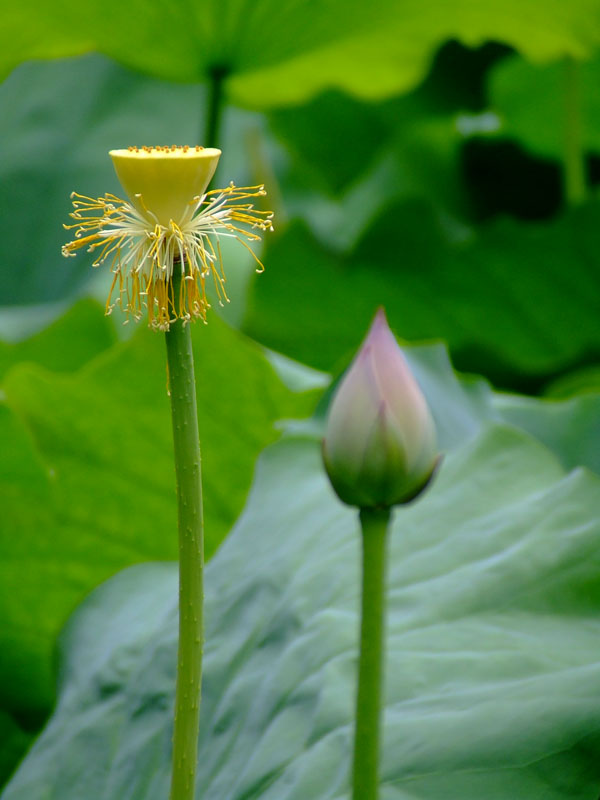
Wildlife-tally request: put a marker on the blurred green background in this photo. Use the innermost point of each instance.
(407, 158)
(441, 159)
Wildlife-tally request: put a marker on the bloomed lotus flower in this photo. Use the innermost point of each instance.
(171, 223)
(380, 443)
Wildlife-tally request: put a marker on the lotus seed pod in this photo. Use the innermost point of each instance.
(163, 181)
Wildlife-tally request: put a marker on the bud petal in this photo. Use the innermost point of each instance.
(380, 445)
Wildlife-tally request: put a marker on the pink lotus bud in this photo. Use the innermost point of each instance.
(380, 445)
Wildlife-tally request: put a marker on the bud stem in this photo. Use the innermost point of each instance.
(365, 779)
(191, 555)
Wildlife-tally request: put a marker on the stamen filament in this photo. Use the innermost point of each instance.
(143, 253)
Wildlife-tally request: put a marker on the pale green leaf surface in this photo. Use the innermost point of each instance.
(492, 667)
(515, 302)
(570, 426)
(80, 468)
(89, 485)
(281, 53)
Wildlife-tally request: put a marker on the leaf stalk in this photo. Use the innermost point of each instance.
(574, 153)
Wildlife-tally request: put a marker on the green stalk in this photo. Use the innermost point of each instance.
(574, 154)
(186, 442)
(365, 769)
(215, 106)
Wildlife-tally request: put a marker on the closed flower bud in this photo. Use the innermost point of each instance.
(380, 445)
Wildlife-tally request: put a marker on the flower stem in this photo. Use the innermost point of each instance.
(191, 556)
(574, 155)
(365, 779)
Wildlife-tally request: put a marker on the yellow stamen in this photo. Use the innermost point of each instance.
(143, 252)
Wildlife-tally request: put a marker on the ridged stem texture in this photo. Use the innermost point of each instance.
(191, 557)
(367, 736)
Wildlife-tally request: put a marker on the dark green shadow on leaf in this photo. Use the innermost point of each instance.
(516, 303)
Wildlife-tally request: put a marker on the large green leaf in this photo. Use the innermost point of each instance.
(282, 53)
(516, 303)
(413, 128)
(531, 101)
(492, 668)
(581, 381)
(75, 338)
(13, 743)
(31, 577)
(570, 427)
(405, 147)
(87, 478)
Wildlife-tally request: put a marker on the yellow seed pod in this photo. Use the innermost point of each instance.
(163, 181)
